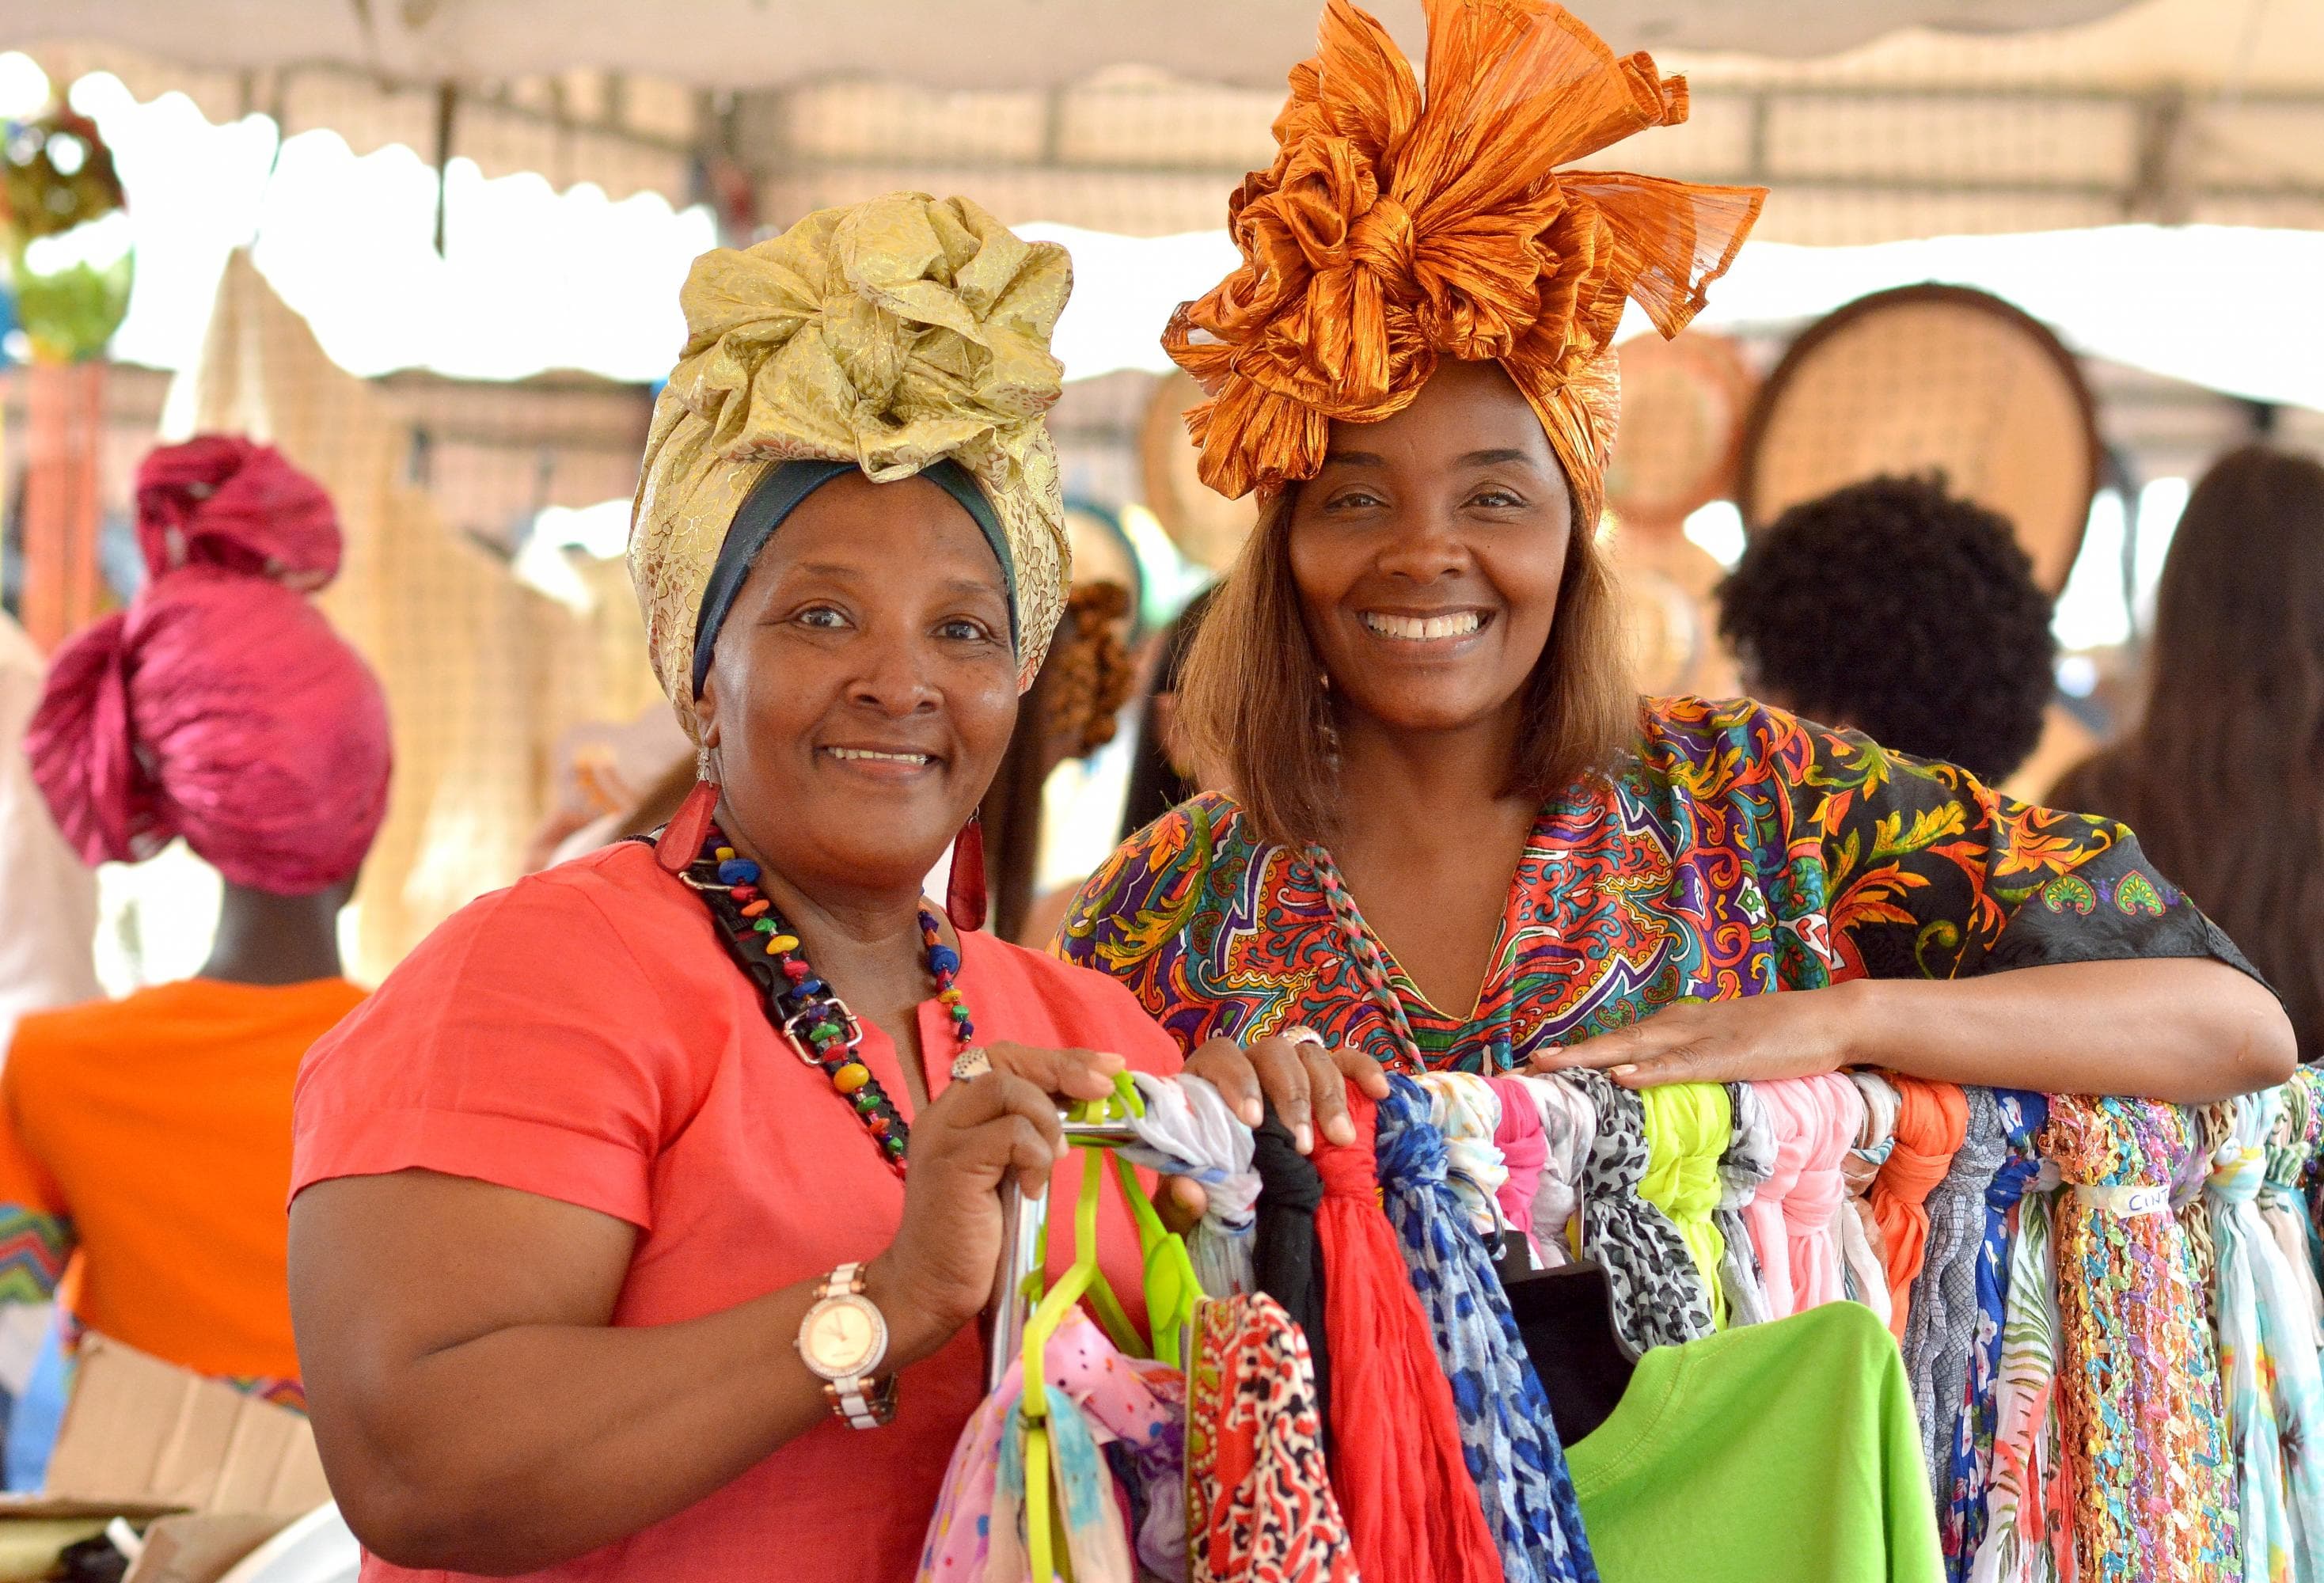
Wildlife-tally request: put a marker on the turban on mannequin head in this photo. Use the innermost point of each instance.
(220, 706)
(1395, 228)
(890, 335)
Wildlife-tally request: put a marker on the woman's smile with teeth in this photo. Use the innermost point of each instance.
(875, 756)
(1423, 629)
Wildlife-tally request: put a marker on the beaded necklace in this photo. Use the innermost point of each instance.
(1372, 965)
(812, 1019)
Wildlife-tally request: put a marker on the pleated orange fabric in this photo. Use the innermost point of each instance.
(1398, 226)
(1412, 1508)
(1932, 1119)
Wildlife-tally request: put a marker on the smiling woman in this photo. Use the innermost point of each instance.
(1454, 837)
(641, 1187)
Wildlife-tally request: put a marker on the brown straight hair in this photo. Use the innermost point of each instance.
(1259, 716)
(2223, 779)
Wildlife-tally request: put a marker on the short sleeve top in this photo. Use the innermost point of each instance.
(583, 1035)
(1738, 848)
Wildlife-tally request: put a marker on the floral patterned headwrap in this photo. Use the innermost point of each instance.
(891, 335)
(1395, 228)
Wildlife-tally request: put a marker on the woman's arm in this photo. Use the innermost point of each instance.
(476, 1409)
(2185, 1030)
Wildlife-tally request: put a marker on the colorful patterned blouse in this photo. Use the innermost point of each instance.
(1738, 849)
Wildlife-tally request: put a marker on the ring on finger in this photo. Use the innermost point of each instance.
(970, 1062)
(1299, 1033)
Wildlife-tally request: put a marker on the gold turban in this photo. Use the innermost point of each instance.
(1392, 230)
(892, 334)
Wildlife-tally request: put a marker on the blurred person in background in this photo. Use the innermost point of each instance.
(2223, 775)
(151, 1134)
(1069, 713)
(1896, 609)
(1162, 763)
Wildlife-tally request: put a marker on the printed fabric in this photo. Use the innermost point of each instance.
(1260, 1504)
(1738, 849)
(1413, 1511)
(2029, 1503)
(1506, 1437)
(1941, 1330)
(1968, 1474)
(1749, 1162)
(2137, 1370)
(1863, 1248)
(1659, 1299)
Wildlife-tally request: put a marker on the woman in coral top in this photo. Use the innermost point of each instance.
(152, 1135)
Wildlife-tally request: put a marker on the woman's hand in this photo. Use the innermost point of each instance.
(1306, 1081)
(980, 1132)
(1796, 1033)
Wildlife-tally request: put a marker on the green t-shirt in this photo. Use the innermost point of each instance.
(1783, 1450)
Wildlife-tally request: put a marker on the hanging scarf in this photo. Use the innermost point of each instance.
(1687, 1128)
(1659, 1300)
(1941, 1330)
(1864, 1250)
(2138, 1380)
(1970, 1468)
(1467, 1110)
(2267, 1354)
(1749, 1162)
(1524, 1150)
(1287, 1260)
(1506, 1436)
(2029, 1503)
(2210, 1127)
(2290, 1153)
(1187, 1130)
(1413, 1511)
(1930, 1118)
(1815, 1119)
(1569, 1127)
(1260, 1507)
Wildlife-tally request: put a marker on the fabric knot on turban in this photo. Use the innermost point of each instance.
(220, 706)
(1395, 228)
(891, 335)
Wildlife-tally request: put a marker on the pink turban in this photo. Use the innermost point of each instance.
(220, 706)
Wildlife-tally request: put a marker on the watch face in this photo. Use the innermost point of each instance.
(842, 1336)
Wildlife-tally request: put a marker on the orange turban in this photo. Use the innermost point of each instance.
(1392, 230)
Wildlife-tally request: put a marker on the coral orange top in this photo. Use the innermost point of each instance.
(583, 1035)
(153, 1133)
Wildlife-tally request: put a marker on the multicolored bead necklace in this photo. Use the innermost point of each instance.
(803, 1009)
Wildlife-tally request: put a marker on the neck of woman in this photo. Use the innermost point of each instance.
(269, 940)
(1394, 779)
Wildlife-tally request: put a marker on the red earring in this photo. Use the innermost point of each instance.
(682, 838)
(965, 893)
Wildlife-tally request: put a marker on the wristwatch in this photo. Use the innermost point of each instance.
(843, 1340)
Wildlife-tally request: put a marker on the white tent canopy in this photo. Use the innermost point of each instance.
(1136, 117)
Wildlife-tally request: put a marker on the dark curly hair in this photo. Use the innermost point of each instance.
(1903, 611)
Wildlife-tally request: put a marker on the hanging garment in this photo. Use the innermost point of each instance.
(1815, 1119)
(1930, 1119)
(2267, 1357)
(1968, 1472)
(1524, 1150)
(1569, 1127)
(1510, 1446)
(1749, 1162)
(1287, 1260)
(1687, 1125)
(1777, 1451)
(1412, 1509)
(1187, 1129)
(1260, 1507)
(1941, 1330)
(1466, 1110)
(974, 1533)
(2137, 1371)
(2029, 1502)
(2290, 1150)
(1659, 1299)
(2209, 1128)
(1864, 1250)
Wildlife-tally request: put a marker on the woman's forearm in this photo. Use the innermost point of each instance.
(2185, 1030)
